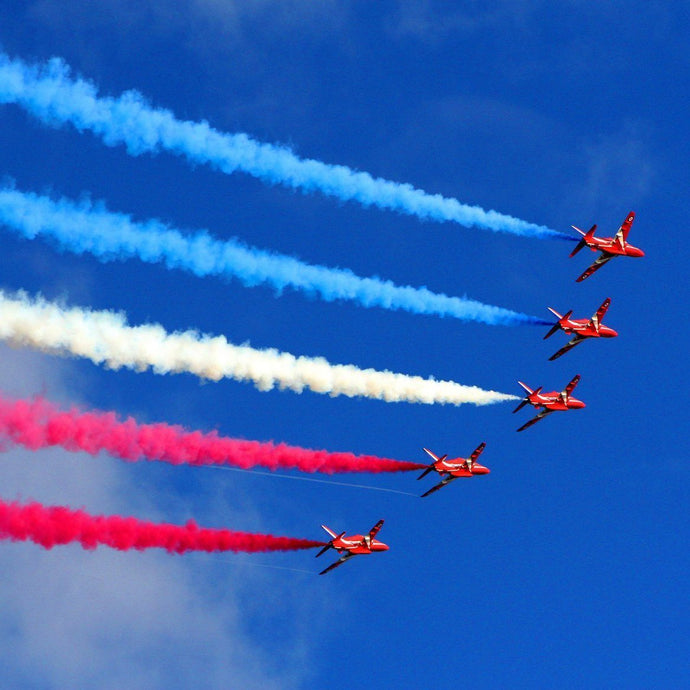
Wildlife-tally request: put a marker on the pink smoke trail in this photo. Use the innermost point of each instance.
(51, 526)
(38, 423)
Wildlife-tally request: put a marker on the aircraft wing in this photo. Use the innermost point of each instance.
(439, 486)
(477, 452)
(340, 561)
(534, 420)
(603, 258)
(375, 529)
(583, 242)
(568, 346)
(571, 386)
(596, 319)
(622, 234)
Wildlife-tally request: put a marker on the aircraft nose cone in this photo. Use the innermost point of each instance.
(577, 404)
(608, 332)
(384, 547)
(480, 469)
(638, 252)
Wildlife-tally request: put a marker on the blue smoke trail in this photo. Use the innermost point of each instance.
(50, 94)
(87, 227)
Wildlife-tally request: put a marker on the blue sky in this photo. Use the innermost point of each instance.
(568, 561)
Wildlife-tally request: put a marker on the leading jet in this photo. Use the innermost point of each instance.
(580, 329)
(608, 246)
(550, 402)
(356, 545)
(455, 468)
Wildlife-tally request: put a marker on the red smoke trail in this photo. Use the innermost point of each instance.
(55, 525)
(38, 424)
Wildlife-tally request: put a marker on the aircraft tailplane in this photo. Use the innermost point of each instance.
(521, 404)
(426, 471)
(323, 550)
(556, 326)
(579, 246)
(585, 236)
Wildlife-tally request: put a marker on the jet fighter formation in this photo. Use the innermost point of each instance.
(546, 403)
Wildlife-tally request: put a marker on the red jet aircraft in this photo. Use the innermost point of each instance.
(581, 329)
(455, 468)
(608, 246)
(551, 402)
(355, 545)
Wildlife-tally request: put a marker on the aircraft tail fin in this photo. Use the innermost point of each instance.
(433, 464)
(557, 325)
(330, 531)
(432, 455)
(525, 400)
(329, 545)
(585, 236)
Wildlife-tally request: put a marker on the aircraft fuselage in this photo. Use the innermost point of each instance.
(460, 469)
(611, 245)
(357, 544)
(554, 401)
(585, 329)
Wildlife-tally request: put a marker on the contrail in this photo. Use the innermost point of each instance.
(49, 93)
(52, 526)
(301, 478)
(37, 423)
(105, 338)
(86, 227)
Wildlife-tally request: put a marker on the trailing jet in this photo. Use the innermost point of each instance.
(355, 545)
(608, 246)
(550, 402)
(581, 329)
(455, 468)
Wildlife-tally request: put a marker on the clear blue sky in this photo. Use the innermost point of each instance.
(567, 565)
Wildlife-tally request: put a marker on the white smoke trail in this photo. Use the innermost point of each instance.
(105, 338)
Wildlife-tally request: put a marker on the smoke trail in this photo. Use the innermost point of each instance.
(57, 525)
(49, 93)
(84, 227)
(39, 424)
(104, 337)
